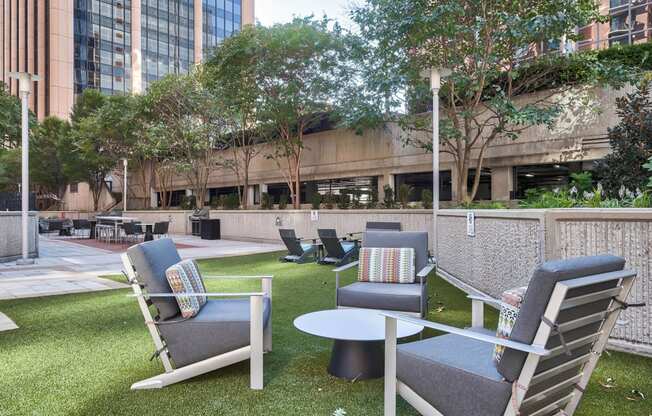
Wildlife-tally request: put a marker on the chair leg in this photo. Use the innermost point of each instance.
(390, 366)
(256, 341)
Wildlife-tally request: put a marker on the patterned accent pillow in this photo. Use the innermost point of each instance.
(386, 265)
(511, 301)
(184, 277)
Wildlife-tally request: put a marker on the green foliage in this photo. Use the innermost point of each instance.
(231, 201)
(648, 166)
(404, 192)
(283, 201)
(87, 103)
(188, 202)
(631, 143)
(315, 200)
(214, 202)
(405, 39)
(373, 198)
(582, 182)
(266, 201)
(343, 201)
(593, 198)
(484, 205)
(10, 161)
(11, 119)
(329, 200)
(638, 56)
(49, 149)
(426, 199)
(388, 199)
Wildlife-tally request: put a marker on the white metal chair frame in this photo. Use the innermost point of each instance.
(422, 275)
(536, 351)
(261, 337)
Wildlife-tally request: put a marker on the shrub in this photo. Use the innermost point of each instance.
(343, 201)
(329, 201)
(232, 201)
(283, 201)
(214, 202)
(538, 198)
(315, 200)
(188, 202)
(222, 201)
(582, 182)
(426, 199)
(484, 205)
(388, 199)
(404, 192)
(373, 199)
(266, 201)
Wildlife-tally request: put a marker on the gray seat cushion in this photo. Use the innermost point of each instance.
(456, 375)
(222, 325)
(388, 296)
(151, 259)
(538, 295)
(393, 239)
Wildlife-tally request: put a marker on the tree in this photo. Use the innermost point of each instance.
(10, 119)
(302, 69)
(186, 116)
(494, 51)
(231, 75)
(100, 137)
(631, 143)
(48, 149)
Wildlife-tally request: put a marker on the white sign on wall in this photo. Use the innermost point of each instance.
(470, 224)
(314, 215)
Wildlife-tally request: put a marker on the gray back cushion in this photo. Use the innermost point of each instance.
(538, 295)
(418, 240)
(151, 260)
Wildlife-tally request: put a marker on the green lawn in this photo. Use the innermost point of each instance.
(78, 355)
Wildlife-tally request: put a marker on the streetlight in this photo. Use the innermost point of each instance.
(124, 185)
(435, 83)
(24, 87)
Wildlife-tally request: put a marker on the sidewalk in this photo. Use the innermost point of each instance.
(67, 267)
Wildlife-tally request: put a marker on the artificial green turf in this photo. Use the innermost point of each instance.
(78, 355)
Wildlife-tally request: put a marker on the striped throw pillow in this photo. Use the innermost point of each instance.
(386, 265)
(184, 277)
(511, 301)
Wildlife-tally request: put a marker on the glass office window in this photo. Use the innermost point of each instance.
(221, 18)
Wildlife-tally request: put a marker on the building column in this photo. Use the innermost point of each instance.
(153, 198)
(248, 16)
(199, 31)
(250, 195)
(502, 183)
(136, 48)
(454, 196)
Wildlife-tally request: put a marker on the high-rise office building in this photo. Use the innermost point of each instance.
(115, 46)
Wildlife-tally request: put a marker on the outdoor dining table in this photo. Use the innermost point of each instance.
(115, 220)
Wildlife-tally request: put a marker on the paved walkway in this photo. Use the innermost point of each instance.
(67, 267)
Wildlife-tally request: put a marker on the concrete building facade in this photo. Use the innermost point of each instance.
(116, 46)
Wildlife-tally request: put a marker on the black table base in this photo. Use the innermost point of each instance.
(357, 360)
(148, 233)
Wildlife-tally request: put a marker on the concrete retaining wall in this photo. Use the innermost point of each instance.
(11, 235)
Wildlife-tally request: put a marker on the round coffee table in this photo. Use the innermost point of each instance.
(359, 338)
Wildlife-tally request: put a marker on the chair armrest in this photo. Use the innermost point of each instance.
(195, 295)
(346, 267)
(486, 299)
(426, 270)
(238, 277)
(532, 349)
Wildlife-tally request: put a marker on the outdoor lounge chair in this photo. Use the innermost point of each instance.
(383, 226)
(298, 252)
(411, 298)
(338, 251)
(235, 328)
(561, 329)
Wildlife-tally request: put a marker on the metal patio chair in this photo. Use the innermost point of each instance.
(233, 328)
(563, 325)
(338, 251)
(407, 298)
(298, 251)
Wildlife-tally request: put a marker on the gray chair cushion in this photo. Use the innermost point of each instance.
(151, 259)
(393, 239)
(456, 375)
(387, 296)
(538, 295)
(222, 325)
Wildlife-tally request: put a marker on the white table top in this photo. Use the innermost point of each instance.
(114, 218)
(351, 325)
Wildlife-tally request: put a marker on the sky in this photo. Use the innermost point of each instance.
(269, 12)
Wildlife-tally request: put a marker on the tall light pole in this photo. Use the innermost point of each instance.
(435, 83)
(24, 87)
(124, 186)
